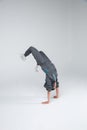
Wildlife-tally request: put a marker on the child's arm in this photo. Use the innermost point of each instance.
(48, 96)
(57, 93)
(57, 90)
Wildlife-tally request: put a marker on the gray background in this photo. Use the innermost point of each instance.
(59, 28)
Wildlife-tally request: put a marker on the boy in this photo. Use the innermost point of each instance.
(51, 82)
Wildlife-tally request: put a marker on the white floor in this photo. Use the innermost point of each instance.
(25, 112)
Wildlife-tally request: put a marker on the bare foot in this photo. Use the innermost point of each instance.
(46, 102)
(55, 96)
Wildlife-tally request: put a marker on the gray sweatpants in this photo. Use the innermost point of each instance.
(46, 65)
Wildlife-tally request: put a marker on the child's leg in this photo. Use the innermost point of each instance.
(48, 96)
(36, 54)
